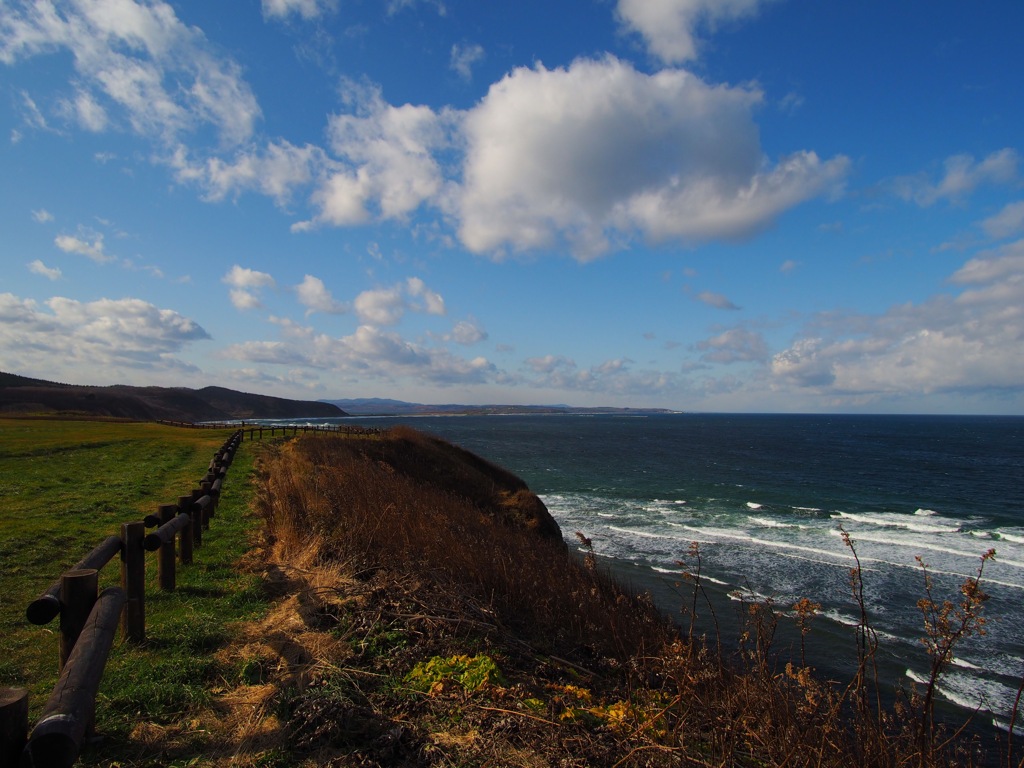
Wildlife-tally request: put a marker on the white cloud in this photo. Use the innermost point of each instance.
(86, 111)
(275, 171)
(611, 378)
(1007, 223)
(242, 277)
(162, 76)
(669, 26)
(94, 342)
(467, 332)
(1002, 264)
(386, 167)
(383, 306)
(242, 299)
(716, 300)
(89, 244)
(734, 346)
(313, 295)
(271, 352)
(307, 9)
(38, 268)
(599, 152)
(386, 306)
(43, 216)
(369, 353)
(246, 285)
(433, 303)
(463, 57)
(961, 175)
(966, 343)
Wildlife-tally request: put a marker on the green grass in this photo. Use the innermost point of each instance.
(65, 486)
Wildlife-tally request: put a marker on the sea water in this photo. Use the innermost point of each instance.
(767, 499)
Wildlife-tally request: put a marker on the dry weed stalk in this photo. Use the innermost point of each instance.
(946, 625)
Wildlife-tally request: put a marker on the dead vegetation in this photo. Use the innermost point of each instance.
(425, 616)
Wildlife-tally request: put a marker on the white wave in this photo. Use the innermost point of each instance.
(840, 618)
(767, 543)
(963, 663)
(767, 522)
(807, 509)
(918, 544)
(679, 572)
(643, 534)
(1017, 536)
(679, 501)
(752, 505)
(925, 512)
(919, 679)
(895, 520)
(1004, 725)
(745, 594)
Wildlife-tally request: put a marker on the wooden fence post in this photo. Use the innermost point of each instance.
(70, 710)
(133, 581)
(13, 725)
(165, 557)
(77, 596)
(187, 538)
(205, 490)
(197, 519)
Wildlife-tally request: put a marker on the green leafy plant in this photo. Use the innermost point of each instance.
(471, 672)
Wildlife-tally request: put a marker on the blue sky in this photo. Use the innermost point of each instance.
(715, 205)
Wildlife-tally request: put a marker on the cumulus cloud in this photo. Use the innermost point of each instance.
(1007, 223)
(386, 306)
(307, 9)
(961, 175)
(106, 339)
(385, 166)
(611, 378)
(735, 345)
(275, 170)
(668, 27)
(313, 295)
(42, 215)
(467, 332)
(463, 57)
(599, 152)
(432, 302)
(369, 353)
(716, 300)
(87, 244)
(245, 286)
(965, 343)
(161, 76)
(38, 268)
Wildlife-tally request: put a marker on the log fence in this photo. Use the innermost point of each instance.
(88, 620)
(257, 431)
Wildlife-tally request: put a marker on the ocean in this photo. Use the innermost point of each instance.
(767, 497)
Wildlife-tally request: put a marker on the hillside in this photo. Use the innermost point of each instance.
(21, 395)
(375, 406)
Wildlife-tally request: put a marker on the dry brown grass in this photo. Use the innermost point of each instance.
(392, 552)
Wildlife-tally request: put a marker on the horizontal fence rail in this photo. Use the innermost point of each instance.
(89, 620)
(257, 431)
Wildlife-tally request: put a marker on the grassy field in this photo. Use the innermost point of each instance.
(67, 485)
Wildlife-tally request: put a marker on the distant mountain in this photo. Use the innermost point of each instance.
(375, 406)
(19, 394)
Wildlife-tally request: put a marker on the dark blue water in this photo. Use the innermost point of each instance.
(767, 496)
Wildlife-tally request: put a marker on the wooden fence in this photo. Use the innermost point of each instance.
(89, 621)
(257, 431)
